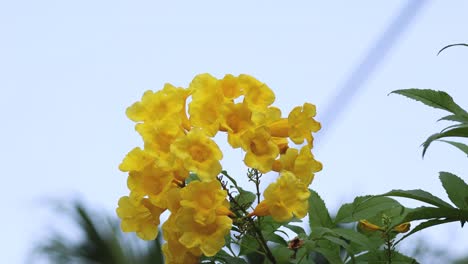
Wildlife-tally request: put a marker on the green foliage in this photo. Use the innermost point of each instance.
(456, 188)
(365, 207)
(318, 213)
(444, 101)
(380, 256)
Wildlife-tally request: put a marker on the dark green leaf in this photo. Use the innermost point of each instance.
(456, 132)
(364, 207)
(276, 239)
(224, 257)
(424, 225)
(419, 195)
(455, 118)
(332, 255)
(354, 237)
(282, 254)
(423, 212)
(268, 224)
(456, 188)
(436, 99)
(248, 244)
(460, 146)
(296, 229)
(245, 198)
(318, 213)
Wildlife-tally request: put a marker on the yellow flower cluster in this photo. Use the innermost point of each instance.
(178, 141)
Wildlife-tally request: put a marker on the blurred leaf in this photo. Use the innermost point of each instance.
(381, 257)
(296, 229)
(365, 207)
(425, 225)
(272, 237)
(248, 244)
(318, 212)
(456, 188)
(282, 254)
(460, 146)
(329, 250)
(359, 242)
(419, 195)
(192, 177)
(456, 132)
(223, 257)
(245, 198)
(436, 99)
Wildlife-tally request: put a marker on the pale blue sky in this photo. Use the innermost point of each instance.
(68, 70)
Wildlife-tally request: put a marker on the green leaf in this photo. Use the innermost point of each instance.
(424, 212)
(456, 132)
(332, 254)
(192, 177)
(455, 118)
(224, 257)
(276, 239)
(355, 237)
(296, 229)
(365, 207)
(248, 245)
(436, 99)
(230, 178)
(245, 198)
(456, 188)
(281, 254)
(419, 195)
(425, 225)
(381, 257)
(268, 224)
(460, 146)
(318, 213)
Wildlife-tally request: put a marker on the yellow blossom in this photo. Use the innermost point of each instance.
(236, 119)
(230, 87)
(302, 164)
(207, 199)
(260, 149)
(208, 238)
(284, 199)
(257, 94)
(198, 154)
(302, 123)
(141, 217)
(174, 251)
(136, 160)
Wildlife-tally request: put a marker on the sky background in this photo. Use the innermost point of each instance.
(69, 69)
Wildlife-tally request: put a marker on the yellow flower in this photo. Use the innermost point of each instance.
(302, 164)
(198, 154)
(285, 198)
(141, 217)
(136, 160)
(208, 238)
(151, 181)
(302, 123)
(260, 149)
(257, 94)
(174, 251)
(402, 228)
(170, 101)
(236, 119)
(207, 199)
(205, 107)
(366, 225)
(230, 87)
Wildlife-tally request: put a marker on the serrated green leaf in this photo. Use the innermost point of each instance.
(455, 118)
(460, 146)
(355, 237)
(456, 132)
(224, 257)
(331, 254)
(456, 188)
(268, 224)
(282, 255)
(272, 237)
(296, 229)
(419, 195)
(248, 244)
(245, 198)
(423, 212)
(436, 99)
(425, 225)
(365, 207)
(318, 212)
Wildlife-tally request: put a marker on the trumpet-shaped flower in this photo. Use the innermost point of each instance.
(260, 149)
(302, 164)
(257, 94)
(170, 101)
(198, 154)
(141, 217)
(208, 238)
(302, 123)
(285, 198)
(236, 119)
(174, 251)
(207, 199)
(136, 160)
